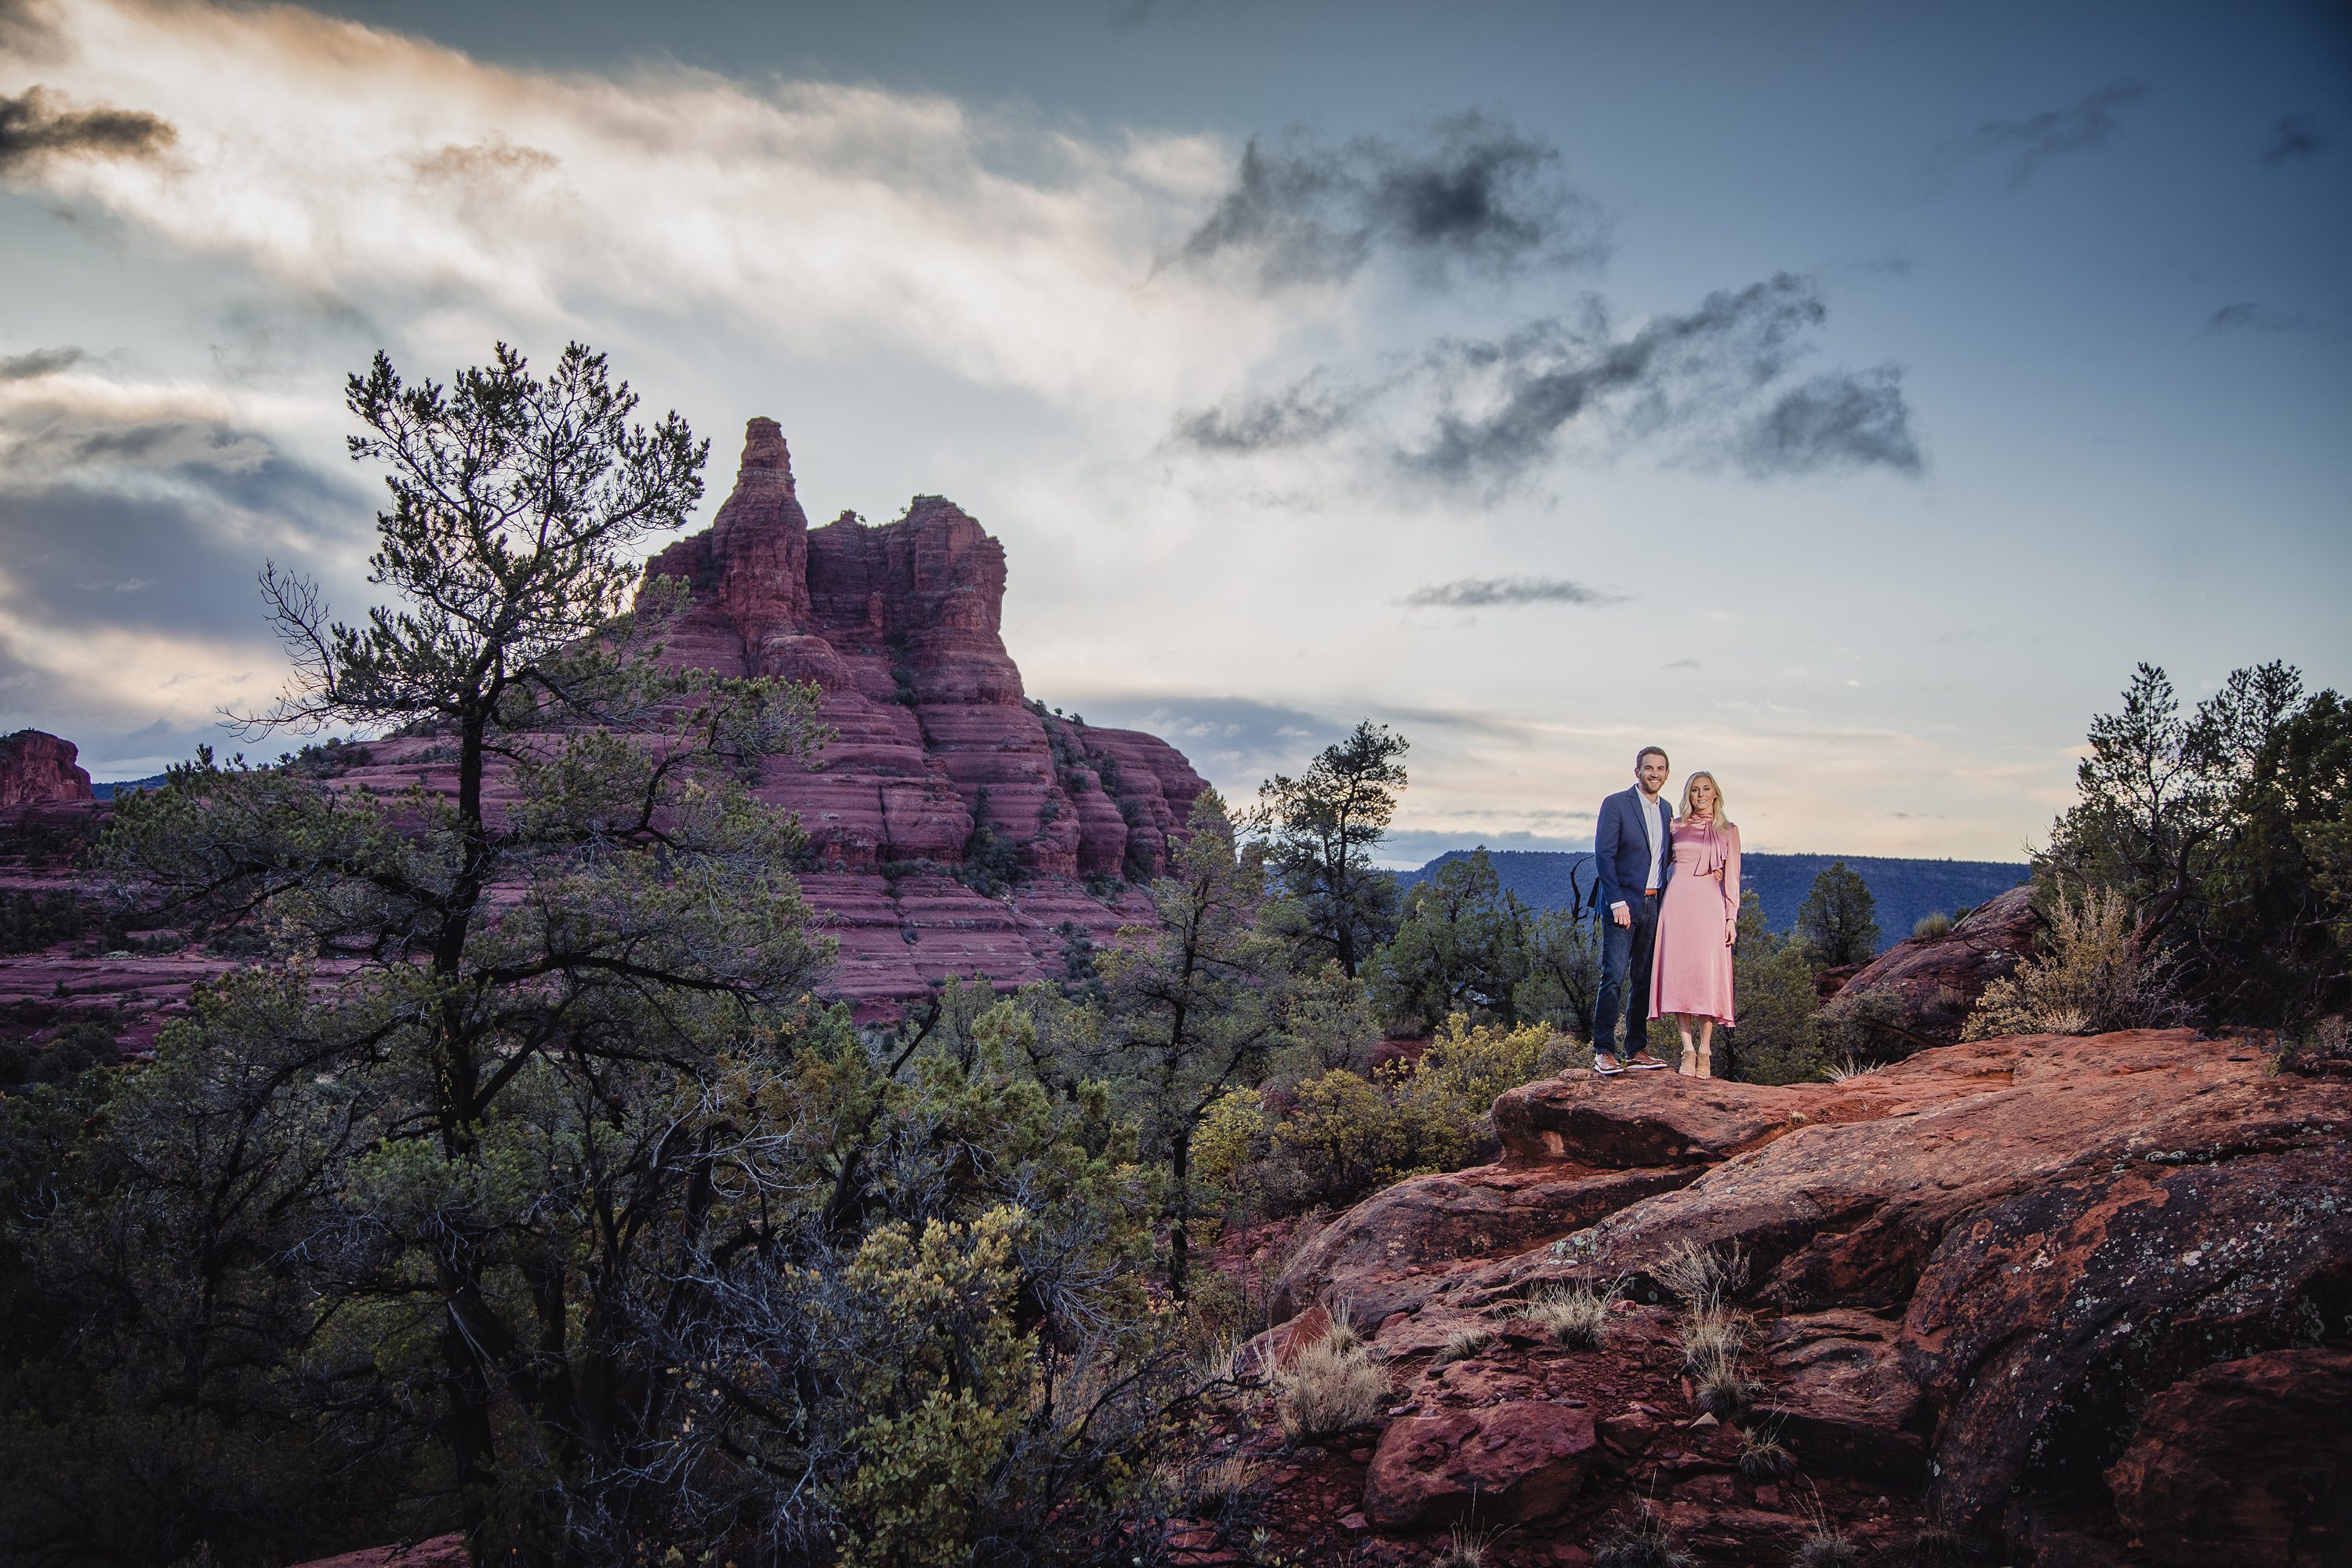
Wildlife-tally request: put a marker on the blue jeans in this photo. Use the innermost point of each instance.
(1625, 955)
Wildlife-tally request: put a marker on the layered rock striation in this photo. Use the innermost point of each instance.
(899, 625)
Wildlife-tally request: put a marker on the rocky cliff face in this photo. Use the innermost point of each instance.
(899, 625)
(37, 769)
(2070, 1301)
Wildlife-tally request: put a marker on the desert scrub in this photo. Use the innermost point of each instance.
(1933, 926)
(1576, 1318)
(2100, 971)
(1331, 1387)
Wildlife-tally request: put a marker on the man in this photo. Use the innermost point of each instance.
(1633, 850)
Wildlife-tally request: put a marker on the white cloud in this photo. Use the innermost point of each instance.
(835, 219)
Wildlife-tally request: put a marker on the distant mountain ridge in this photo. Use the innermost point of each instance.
(1904, 891)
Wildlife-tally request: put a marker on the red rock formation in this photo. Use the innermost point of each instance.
(36, 768)
(899, 627)
(2093, 1296)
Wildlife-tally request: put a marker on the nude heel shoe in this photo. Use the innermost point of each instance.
(1706, 1061)
(1690, 1062)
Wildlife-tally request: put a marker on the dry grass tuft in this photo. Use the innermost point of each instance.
(1465, 1548)
(1703, 1274)
(1724, 1390)
(1343, 1334)
(1213, 1486)
(1845, 1067)
(1824, 1547)
(1576, 1318)
(1763, 1457)
(1712, 1333)
(1647, 1543)
(1463, 1343)
(1936, 1546)
(1331, 1387)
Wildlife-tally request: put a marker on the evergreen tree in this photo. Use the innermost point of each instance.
(1321, 830)
(1462, 947)
(1838, 922)
(1778, 1039)
(541, 995)
(1193, 1007)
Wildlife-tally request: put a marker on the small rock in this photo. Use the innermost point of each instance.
(1354, 1522)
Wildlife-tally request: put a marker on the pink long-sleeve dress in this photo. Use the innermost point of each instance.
(1692, 972)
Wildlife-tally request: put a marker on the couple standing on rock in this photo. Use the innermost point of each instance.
(1669, 886)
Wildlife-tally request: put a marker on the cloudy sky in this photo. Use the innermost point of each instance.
(1844, 396)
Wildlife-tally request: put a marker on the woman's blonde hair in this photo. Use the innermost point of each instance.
(1721, 819)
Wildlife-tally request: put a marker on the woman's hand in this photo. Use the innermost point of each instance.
(1730, 930)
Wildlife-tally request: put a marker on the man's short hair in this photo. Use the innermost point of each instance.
(1657, 751)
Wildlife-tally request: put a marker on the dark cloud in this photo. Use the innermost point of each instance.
(1236, 741)
(2246, 315)
(1842, 420)
(1473, 194)
(40, 361)
(1709, 382)
(2294, 137)
(1482, 593)
(97, 562)
(35, 125)
(2055, 133)
(1297, 415)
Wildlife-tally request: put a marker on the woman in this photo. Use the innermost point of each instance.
(1698, 919)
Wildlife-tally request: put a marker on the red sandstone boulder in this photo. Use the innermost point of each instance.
(2045, 1319)
(36, 768)
(1511, 1463)
(1841, 1399)
(1927, 987)
(1395, 1249)
(2244, 1462)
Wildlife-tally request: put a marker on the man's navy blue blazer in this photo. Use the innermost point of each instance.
(1620, 850)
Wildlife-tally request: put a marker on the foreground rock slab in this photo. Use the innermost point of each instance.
(2082, 1299)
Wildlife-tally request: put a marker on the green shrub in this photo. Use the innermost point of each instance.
(1934, 926)
(30, 920)
(2100, 973)
(1449, 1095)
(1777, 1039)
(1338, 1134)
